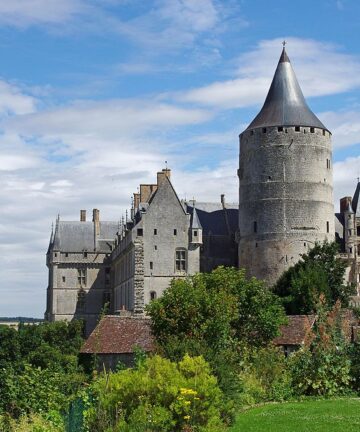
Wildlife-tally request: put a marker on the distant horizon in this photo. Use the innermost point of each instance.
(96, 96)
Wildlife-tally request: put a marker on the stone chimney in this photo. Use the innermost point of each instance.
(146, 191)
(344, 203)
(82, 215)
(96, 220)
(166, 172)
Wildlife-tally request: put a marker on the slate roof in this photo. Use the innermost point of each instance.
(356, 200)
(195, 222)
(119, 335)
(79, 236)
(296, 331)
(285, 104)
(212, 217)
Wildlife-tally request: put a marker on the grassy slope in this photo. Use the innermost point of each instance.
(340, 415)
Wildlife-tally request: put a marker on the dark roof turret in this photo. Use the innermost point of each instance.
(285, 104)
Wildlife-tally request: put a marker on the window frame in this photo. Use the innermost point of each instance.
(180, 260)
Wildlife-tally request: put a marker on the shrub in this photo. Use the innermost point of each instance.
(32, 423)
(265, 376)
(159, 395)
(323, 368)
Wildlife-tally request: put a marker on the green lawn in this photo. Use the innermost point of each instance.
(338, 415)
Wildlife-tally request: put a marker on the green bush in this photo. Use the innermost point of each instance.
(159, 395)
(32, 423)
(36, 390)
(323, 368)
(265, 376)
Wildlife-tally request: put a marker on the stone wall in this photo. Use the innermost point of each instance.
(286, 197)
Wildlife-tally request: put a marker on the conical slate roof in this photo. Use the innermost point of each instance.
(356, 200)
(349, 209)
(195, 220)
(285, 104)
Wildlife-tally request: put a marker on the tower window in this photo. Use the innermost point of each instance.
(85, 254)
(264, 130)
(155, 231)
(327, 227)
(66, 254)
(175, 231)
(155, 247)
(312, 130)
(63, 279)
(280, 129)
(151, 265)
(255, 226)
(140, 232)
(323, 132)
(152, 295)
(195, 233)
(180, 260)
(297, 128)
(82, 277)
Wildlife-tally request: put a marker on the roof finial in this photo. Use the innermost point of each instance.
(166, 165)
(284, 43)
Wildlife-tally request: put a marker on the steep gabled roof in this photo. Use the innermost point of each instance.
(285, 104)
(297, 331)
(213, 219)
(79, 236)
(119, 335)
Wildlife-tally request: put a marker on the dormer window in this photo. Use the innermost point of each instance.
(195, 233)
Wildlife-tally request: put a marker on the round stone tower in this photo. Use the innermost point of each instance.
(285, 173)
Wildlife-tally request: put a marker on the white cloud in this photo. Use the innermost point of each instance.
(344, 125)
(346, 173)
(23, 13)
(322, 69)
(108, 120)
(14, 101)
(196, 16)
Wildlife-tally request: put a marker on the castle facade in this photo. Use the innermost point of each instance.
(285, 206)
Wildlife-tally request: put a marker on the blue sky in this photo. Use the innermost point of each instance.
(96, 94)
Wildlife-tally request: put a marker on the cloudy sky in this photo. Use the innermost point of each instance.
(95, 95)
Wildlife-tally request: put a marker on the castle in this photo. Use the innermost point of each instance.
(285, 206)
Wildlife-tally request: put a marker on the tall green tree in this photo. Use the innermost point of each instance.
(214, 308)
(319, 272)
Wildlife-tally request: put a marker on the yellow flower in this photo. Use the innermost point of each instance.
(187, 417)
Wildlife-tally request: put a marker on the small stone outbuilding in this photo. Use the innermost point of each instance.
(116, 338)
(296, 333)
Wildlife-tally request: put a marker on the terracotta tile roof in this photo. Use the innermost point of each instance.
(296, 331)
(119, 335)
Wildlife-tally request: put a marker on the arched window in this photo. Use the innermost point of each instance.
(153, 295)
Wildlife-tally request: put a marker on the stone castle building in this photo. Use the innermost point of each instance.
(126, 265)
(285, 173)
(285, 206)
(347, 226)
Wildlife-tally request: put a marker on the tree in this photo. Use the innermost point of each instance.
(320, 271)
(213, 308)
